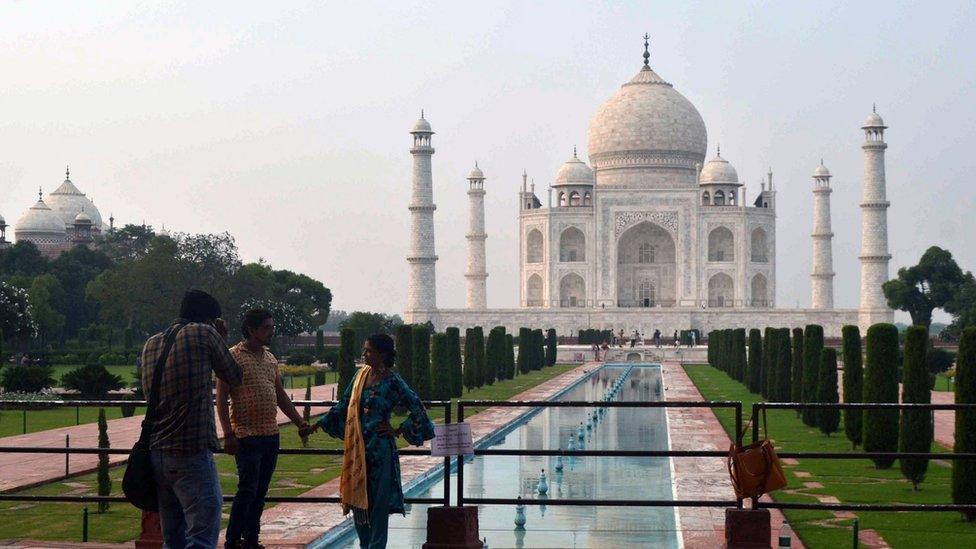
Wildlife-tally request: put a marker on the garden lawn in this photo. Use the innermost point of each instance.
(294, 476)
(850, 481)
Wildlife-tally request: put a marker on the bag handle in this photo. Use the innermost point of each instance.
(745, 429)
(153, 401)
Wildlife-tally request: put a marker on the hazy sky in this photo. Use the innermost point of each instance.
(286, 124)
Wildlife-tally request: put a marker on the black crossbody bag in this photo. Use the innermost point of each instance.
(138, 483)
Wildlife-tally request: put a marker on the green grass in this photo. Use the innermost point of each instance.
(942, 383)
(851, 481)
(293, 476)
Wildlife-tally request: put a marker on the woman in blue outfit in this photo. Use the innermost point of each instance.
(370, 483)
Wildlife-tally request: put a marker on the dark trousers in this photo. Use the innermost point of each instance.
(256, 459)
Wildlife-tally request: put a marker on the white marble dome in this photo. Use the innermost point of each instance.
(422, 126)
(83, 218)
(67, 201)
(40, 220)
(821, 171)
(647, 123)
(476, 173)
(873, 121)
(574, 172)
(719, 171)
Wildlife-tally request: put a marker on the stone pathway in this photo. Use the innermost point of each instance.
(27, 470)
(297, 524)
(702, 478)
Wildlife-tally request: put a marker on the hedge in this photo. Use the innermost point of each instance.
(591, 336)
(454, 361)
(421, 361)
(784, 366)
(538, 349)
(964, 470)
(510, 363)
(812, 346)
(404, 347)
(880, 427)
(347, 359)
(828, 419)
(796, 376)
(440, 368)
(770, 349)
(915, 430)
(551, 343)
(495, 355)
(26, 378)
(739, 354)
(524, 358)
(853, 381)
(754, 371)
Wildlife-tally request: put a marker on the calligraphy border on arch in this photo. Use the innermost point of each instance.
(625, 220)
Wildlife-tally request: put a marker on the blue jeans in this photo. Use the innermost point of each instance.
(189, 498)
(256, 459)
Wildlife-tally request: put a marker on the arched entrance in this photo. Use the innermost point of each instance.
(572, 245)
(646, 267)
(721, 291)
(572, 291)
(759, 296)
(533, 291)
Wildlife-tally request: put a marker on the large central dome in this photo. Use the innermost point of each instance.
(646, 124)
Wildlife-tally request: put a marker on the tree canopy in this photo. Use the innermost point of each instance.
(920, 289)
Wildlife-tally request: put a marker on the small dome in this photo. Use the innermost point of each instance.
(719, 171)
(2, 220)
(574, 172)
(821, 171)
(40, 219)
(476, 173)
(874, 121)
(82, 218)
(422, 126)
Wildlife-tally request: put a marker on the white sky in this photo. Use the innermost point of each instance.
(286, 123)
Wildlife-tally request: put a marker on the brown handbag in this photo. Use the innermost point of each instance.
(754, 469)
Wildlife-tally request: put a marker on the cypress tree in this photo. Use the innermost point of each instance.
(479, 350)
(421, 361)
(770, 348)
(711, 348)
(320, 343)
(307, 410)
(551, 343)
(104, 481)
(729, 353)
(784, 366)
(880, 427)
(915, 430)
(739, 353)
(510, 363)
(812, 346)
(440, 368)
(828, 418)
(524, 343)
(470, 361)
(404, 347)
(755, 360)
(540, 349)
(495, 355)
(853, 382)
(454, 361)
(347, 359)
(964, 471)
(796, 375)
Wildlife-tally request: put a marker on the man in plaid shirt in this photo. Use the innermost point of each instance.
(183, 434)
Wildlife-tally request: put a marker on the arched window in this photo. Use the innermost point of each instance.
(721, 245)
(572, 291)
(645, 294)
(759, 246)
(533, 291)
(720, 291)
(706, 199)
(645, 254)
(534, 248)
(732, 196)
(719, 198)
(759, 296)
(574, 198)
(562, 198)
(572, 245)
(586, 199)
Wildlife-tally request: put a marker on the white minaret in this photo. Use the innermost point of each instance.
(422, 287)
(476, 274)
(874, 227)
(822, 275)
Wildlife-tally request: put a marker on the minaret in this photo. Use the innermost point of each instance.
(822, 275)
(476, 275)
(874, 227)
(422, 287)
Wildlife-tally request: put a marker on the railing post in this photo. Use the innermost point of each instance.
(738, 431)
(460, 463)
(447, 460)
(67, 445)
(84, 525)
(25, 421)
(755, 435)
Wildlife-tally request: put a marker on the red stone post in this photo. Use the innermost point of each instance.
(151, 536)
(452, 528)
(747, 529)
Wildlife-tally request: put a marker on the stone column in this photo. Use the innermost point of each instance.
(822, 275)
(874, 227)
(476, 273)
(422, 286)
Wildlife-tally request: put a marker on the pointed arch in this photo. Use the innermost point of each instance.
(572, 245)
(534, 248)
(759, 247)
(760, 296)
(721, 245)
(533, 291)
(572, 291)
(721, 291)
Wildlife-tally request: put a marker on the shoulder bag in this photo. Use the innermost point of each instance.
(754, 469)
(138, 483)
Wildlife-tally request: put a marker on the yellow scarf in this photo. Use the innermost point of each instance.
(352, 483)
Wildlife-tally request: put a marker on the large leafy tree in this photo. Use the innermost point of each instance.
(22, 259)
(922, 288)
(128, 243)
(16, 316)
(366, 324)
(74, 269)
(46, 298)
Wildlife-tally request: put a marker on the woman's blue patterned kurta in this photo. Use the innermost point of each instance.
(382, 461)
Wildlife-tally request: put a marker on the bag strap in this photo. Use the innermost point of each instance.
(153, 401)
(745, 429)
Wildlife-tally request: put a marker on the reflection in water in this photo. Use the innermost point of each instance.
(604, 478)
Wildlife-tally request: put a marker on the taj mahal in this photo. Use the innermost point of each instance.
(646, 234)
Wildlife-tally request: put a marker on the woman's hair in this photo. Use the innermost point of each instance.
(253, 319)
(199, 306)
(383, 344)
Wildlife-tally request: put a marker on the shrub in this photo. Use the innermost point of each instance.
(551, 342)
(319, 376)
(109, 359)
(91, 380)
(104, 481)
(812, 346)
(510, 364)
(915, 430)
(524, 357)
(495, 355)
(796, 372)
(302, 358)
(440, 368)
(853, 382)
(421, 361)
(754, 373)
(347, 359)
(739, 354)
(479, 349)
(298, 371)
(26, 378)
(538, 349)
(828, 418)
(784, 366)
(470, 360)
(319, 342)
(769, 362)
(404, 347)
(939, 360)
(454, 361)
(964, 471)
(880, 427)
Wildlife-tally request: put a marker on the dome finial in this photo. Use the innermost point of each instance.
(40, 193)
(67, 172)
(647, 53)
(874, 108)
(718, 150)
(574, 152)
(421, 114)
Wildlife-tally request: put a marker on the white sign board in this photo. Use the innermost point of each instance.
(451, 440)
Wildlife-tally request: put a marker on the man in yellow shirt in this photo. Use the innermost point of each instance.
(250, 425)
